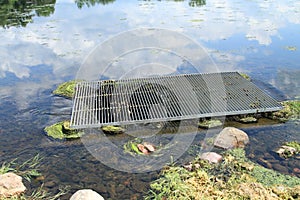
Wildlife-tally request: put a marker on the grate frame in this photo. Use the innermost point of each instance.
(166, 98)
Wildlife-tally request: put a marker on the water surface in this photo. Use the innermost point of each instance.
(44, 43)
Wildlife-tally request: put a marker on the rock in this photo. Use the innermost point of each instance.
(66, 129)
(59, 131)
(11, 185)
(86, 194)
(66, 89)
(210, 123)
(231, 137)
(149, 147)
(142, 149)
(211, 157)
(296, 170)
(286, 151)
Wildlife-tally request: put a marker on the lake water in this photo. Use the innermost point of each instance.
(44, 44)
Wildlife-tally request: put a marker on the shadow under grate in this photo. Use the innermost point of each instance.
(166, 98)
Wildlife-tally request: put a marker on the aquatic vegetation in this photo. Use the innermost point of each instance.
(62, 130)
(210, 123)
(132, 147)
(291, 48)
(137, 146)
(248, 119)
(234, 178)
(294, 144)
(290, 111)
(27, 169)
(245, 76)
(66, 89)
(289, 149)
(112, 129)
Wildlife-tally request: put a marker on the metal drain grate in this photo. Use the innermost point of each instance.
(98, 103)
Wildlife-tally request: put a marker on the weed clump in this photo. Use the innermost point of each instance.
(234, 178)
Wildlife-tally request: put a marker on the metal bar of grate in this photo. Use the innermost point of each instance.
(166, 98)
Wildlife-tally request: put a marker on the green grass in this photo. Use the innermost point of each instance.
(234, 178)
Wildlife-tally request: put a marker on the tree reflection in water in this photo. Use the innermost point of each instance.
(19, 13)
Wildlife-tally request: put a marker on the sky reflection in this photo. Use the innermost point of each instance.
(249, 36)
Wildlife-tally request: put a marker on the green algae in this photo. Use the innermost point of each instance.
(245, 76)
(290, 111)
(247, 120)
(293, 144)
(112, 129)
(210, 123)
(56, 131)
(234, 178)
(66, 89)
(132, 148)
(289, 149)
(291, 48)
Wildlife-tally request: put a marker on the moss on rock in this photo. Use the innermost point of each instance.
(245, 76)
(210, 123)
(290, 111)
(112, 129)
(66, 89)
(62, 130)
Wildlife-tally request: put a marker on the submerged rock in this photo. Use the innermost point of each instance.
(86, 194)
(231, 137)
(11, 185)
(62, 130)
(210, 123)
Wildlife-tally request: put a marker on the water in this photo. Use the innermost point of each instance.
(44, 44)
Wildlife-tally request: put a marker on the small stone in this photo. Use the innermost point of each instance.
(142, 149)
(11, 185)
(86, 194)
(296, 170)
(149, 147)
(211, 157)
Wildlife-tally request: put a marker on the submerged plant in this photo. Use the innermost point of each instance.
(27, 169)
